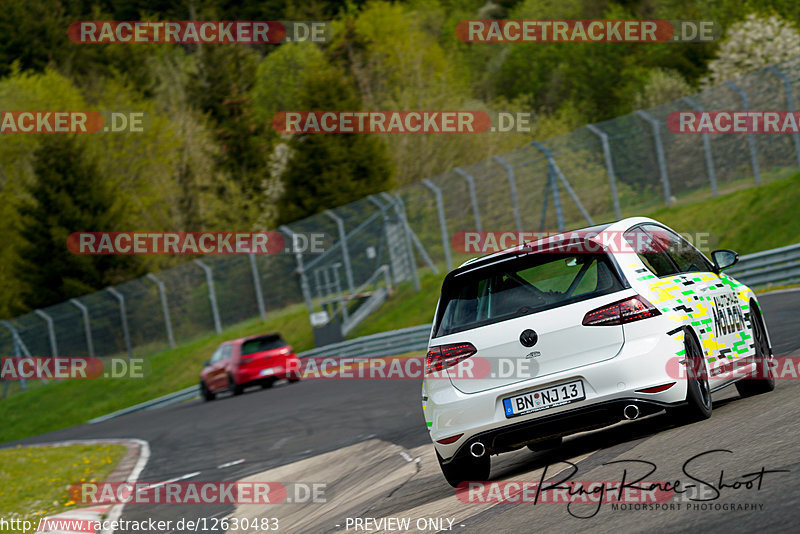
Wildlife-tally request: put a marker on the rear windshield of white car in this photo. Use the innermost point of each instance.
(261, 344)
(520, 286)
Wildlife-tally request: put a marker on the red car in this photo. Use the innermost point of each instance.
(257, 360)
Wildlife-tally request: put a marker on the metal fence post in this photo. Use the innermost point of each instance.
(473, 198)
(87, 327)
(400, 208)
(348, 270)
(787, 88)
(123, 316)
(384, 218)
(512, 186)
(212, 295)
(19, 349)
(557, 174)
(612, 178)
(51, 332)
(547, 184)
(164, 307)
(437, 193)
(751, 140)
(298, 256)
(262, 311)
(662, 162)
(712, 176)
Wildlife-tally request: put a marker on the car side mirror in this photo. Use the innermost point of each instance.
(724, 258)
(206, 363)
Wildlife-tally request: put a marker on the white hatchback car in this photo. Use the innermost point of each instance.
(580, 331)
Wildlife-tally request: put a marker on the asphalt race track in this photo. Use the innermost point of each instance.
(378, 425)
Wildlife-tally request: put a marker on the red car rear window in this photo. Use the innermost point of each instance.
(261, 344)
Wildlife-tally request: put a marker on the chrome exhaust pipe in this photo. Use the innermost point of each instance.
(631, 411)
(477, 449)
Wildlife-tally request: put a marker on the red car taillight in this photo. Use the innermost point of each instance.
(443, 356)
(625, 311)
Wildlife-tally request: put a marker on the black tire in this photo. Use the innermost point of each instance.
(294, 378)
(698, 393)
(236, 390)
(465, 469)
(754, 386)
(268, 383)
(546, 444)
(204, 391)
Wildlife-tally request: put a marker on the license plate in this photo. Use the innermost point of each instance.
(544, 398)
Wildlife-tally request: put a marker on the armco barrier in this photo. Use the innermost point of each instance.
(628, 165)
(775, 266)
(160, 402)
(373, 346)
(376, 345)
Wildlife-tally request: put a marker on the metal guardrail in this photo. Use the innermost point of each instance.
(160, 402)
(373, 346)
(775, 266)
(376, 345)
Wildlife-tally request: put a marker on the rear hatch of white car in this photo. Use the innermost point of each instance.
(491, 303)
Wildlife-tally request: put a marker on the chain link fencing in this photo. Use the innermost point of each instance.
(597, 173)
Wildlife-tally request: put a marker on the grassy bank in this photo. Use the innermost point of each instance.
(747, 221)
(34, 481)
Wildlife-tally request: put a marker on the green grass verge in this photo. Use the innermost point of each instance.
(746, 220)
(68, 403)
(34, 481)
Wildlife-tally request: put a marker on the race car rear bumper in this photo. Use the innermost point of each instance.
(513, 436)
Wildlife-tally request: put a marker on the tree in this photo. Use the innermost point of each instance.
(221, 88)
(68, 195)
(329, 170)
(662, 86)
(753, 44)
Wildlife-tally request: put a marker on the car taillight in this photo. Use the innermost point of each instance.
(625, 311)
(656, 389)
(443, 356)
(451, 439)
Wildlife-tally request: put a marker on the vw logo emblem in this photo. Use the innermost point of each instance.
(528, 338)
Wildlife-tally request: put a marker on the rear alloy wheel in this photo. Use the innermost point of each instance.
(766, 381)
(465, 469)
(235, 389)
(698, 392)
(205, 392)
